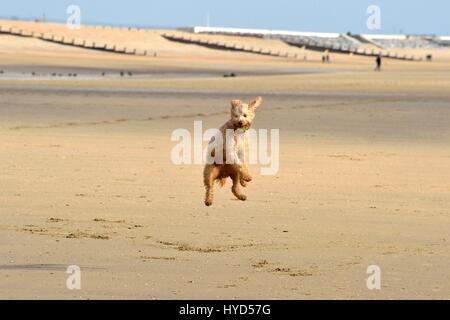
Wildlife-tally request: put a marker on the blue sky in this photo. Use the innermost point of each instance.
(397, 16)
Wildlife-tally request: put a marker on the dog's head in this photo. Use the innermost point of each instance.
(242, 114)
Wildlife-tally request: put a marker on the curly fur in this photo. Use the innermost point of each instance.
(242, 116)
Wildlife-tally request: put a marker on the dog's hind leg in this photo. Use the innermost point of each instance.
(210, 174)
(235, 188)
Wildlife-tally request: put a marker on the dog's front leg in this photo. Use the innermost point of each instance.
(241, 168)
(244, 177)
(243, 155)
(235, 188)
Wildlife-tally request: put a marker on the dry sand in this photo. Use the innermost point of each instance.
(87, 179)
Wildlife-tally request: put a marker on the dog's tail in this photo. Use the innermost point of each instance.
(221, 181)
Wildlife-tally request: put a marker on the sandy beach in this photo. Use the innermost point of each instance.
(87, 178)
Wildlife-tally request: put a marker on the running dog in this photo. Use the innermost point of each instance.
(227, 151)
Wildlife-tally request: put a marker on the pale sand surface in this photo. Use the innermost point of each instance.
(87, 179)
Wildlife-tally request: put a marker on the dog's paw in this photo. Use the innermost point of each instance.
(242, 197)
(208, 203)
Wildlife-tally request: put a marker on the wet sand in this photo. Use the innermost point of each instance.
(88, 181)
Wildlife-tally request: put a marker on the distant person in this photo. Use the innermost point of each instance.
(378, 61)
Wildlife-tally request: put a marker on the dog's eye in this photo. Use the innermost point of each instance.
(245, 116)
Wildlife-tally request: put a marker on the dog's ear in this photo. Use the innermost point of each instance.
(236, 103)
(255, 103)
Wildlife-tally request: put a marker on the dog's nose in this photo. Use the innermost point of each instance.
(240, 123)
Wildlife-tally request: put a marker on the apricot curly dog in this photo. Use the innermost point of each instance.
(227, 151)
